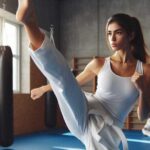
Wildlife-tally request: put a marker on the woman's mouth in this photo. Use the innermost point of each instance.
(113, 45)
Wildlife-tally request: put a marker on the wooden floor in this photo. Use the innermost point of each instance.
(62, 140)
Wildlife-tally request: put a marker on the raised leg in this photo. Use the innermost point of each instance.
(71, 99)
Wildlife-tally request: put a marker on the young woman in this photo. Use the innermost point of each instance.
(96, 119)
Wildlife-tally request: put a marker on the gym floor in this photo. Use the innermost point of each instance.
(63, 140)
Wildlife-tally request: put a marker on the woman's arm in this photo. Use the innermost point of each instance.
(143, 108)
(142, 82)
(82, 78)
(38, 92)
(90, 71)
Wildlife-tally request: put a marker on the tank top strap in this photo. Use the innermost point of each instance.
(107, 60)
(139, 67)
(106, 63)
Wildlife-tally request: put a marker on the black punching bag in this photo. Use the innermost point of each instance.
(6, 97)
(51, 109)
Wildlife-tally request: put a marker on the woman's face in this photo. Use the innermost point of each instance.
(117, 37)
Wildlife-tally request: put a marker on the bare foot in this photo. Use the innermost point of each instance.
(25, 12)
(26, 15)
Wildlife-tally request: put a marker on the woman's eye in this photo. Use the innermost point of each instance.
(109, 33)
(119, 33)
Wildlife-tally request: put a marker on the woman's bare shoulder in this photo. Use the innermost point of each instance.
(98, 61)
(96, 64)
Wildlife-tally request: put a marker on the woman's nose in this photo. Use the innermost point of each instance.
(113, 37)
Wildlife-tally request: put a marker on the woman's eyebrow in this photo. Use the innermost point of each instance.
(120, 29)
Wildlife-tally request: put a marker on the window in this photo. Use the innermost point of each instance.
(11, 38)
(10, 35)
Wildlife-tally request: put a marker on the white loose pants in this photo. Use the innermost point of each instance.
(86, 123)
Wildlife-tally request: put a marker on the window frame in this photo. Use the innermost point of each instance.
(6, 17)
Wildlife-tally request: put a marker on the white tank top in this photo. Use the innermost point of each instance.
(117, 94)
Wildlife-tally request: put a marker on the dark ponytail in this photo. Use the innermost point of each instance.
(131, 26)
(138, 44)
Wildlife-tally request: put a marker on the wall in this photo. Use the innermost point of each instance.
(82, 26)
(136, 8)
(78, 28)
(10, 5)
(28, 114)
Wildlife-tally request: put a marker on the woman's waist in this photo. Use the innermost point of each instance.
(97, 107)
(118, 107)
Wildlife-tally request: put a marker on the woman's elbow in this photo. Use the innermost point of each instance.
(142, 115)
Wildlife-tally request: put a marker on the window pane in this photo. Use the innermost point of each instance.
(15, 74)
(10, 38)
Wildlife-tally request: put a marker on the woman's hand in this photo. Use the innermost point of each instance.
(37, 93)
(139, 82)
(142, 84)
